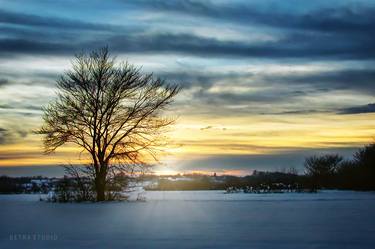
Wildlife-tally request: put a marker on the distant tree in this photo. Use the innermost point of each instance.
(322, 168)
(113, 112)
(364, 159)
(348, 175)
(292, 171)
(365, 156)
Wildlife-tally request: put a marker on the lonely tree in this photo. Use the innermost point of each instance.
(112, 111)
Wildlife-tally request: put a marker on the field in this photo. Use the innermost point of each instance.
(193, 219)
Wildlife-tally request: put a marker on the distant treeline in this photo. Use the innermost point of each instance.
(328, 171)
(332, 171)
(17, 185)
(258, 180)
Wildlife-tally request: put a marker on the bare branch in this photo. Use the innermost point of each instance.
(111, 110)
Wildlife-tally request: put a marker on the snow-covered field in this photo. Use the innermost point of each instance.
(193, 219)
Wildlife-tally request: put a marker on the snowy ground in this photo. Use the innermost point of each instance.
(193, 219)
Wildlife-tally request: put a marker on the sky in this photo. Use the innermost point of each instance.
(265, 83)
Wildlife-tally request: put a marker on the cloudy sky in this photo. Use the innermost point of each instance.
(265, 83)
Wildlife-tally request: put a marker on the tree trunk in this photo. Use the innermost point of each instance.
(100, 187)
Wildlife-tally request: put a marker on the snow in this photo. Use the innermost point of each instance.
(193, 219)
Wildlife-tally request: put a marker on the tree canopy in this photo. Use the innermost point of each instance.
(112, 111)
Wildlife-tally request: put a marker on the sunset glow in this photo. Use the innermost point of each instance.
(255, 90)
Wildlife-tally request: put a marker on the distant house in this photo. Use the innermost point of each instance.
(40, 182)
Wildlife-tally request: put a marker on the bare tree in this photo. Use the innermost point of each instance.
(322, 165)
(322, 168)
(112, 111)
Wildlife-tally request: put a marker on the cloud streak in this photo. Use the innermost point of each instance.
(29, 20)
(369, 108)
(327, 26)
(306, 46)
(343, 18)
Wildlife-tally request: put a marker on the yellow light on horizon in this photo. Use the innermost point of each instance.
(194, 137)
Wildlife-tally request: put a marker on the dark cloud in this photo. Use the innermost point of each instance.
(22, 133)
(6, 106)
(297, 112)
(15, 156)
(10, 135)
(206, 128)
(4, 135)
(278, 97)
(344, 32)
(199, 46)
(275, 93)
(358, 109)
(261, 96)
(23, 46)
(28, 78)
(358, 18)
(22, 106)
(3, 82)
(35, 34)
(361, 79)
(188, 79)
(304, 46)
(14, 18)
